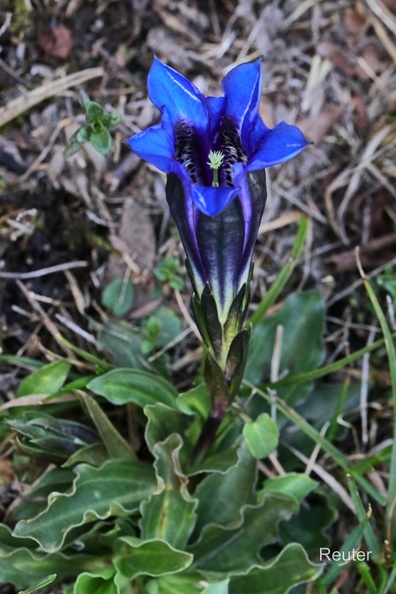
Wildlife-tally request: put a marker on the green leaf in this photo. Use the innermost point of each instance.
(72, 148)
(293, 484)
(178, 583)
(118, 296)
(99, 581)
(169, 514)
(42, 434)
(120, 386)
(115, 444)
(162, 422)
(262, 436)
(219, 462)
(121, 343)
(290, 568)
(170, 326)
(49, 378)
(284, 274)
(93, 112)
(232, 550)
(196, 401)
(111, 120)
(302, 320)
(150, 557)
(101, 140)
(82, 135)
(117, 487)
(232, 491)
(219, 588)
(21, 567)
(41, 584)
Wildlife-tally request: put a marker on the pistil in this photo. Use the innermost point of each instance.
(215, 161)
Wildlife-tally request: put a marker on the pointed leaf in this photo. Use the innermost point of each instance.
(21, 567)
(98, 581)
(150, 557)
(178, 583)
(162, 422)
(45, 380)
(234, 550)
(170, 513)
(41, 584)
(232, 490)
(293, 484)
(120, 386)
(115, 444)
(219, 588)
(302, 319)
(290, 568)
(115, 488)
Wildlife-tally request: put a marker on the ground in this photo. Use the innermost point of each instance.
(328, 67)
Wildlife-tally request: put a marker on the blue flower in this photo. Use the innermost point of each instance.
(217, 212)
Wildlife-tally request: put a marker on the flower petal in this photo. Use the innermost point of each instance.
(182, 99)
(220, 240)
(276, 146)
(155, 146)
(212, 201)
(242, 88)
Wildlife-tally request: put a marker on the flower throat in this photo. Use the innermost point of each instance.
(227, 150)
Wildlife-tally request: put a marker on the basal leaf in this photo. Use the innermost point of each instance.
(219, 588)
(178, 583)
(293, 484)
(46, 380)
(120, 386)
(302, 319)
(262, 436)
(195, 402)
(121, 343)
(162, 422)
(115, 444)
(170, 513)
(221, 496)
(118, 296)
(290, 568)
(117, 487)
(150, 557)
(233, 550)
(99, 581)
(22, 568)
(41, 584)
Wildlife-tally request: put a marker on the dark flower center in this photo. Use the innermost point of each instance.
(190, 152)
(231, 146)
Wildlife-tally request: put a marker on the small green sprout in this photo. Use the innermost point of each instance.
(96, 130)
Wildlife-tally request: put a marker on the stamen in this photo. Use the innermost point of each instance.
(215, 161)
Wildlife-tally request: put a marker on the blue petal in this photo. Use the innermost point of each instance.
(242, 88)
(155, 146)
(277, 146)
(211, 201)
(169, 89)
(215, 107)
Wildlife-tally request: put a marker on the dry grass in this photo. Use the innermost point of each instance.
(328, 66)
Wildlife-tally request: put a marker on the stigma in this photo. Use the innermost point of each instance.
(215, 161)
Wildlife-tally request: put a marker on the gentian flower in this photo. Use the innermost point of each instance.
(214, 151)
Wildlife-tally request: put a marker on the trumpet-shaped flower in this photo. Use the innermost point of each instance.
(215, 151)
